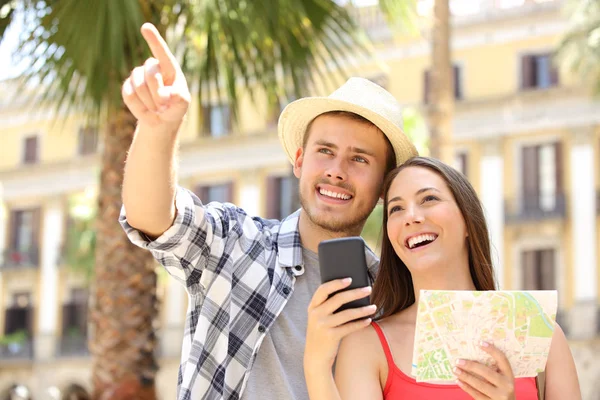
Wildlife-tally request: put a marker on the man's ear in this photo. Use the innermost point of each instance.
(298, 162)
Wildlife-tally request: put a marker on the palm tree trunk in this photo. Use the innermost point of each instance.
(442, 85)
(124, 302)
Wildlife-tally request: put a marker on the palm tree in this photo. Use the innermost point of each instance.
(580, 46)
(441, 82)
(87, 48)
(441, 96)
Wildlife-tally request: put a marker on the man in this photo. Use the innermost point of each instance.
(250, 280)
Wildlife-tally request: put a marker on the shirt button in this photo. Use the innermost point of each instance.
(262, 329)
(286, 290)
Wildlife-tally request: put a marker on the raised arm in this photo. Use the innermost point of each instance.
(561, 375)
(158, 96)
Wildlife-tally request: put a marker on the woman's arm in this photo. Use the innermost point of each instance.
(357, 366)
(561, 375)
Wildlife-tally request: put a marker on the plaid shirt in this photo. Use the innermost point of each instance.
(239, 272)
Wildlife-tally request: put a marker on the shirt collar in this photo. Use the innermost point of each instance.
(289, 246)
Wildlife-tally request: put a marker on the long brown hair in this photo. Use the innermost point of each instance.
(393, 288)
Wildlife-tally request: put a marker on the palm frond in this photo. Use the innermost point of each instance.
(579, 49)
(79, 51)
(269, 47)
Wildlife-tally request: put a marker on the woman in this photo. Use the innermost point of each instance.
(435, 238)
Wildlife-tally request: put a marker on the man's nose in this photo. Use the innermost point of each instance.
(337, 170)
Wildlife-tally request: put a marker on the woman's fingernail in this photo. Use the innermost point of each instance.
(346, 280)
(368, 321)
(366, 289)
(457, 371)
(484, 344)
(372, 307)
(460, 362)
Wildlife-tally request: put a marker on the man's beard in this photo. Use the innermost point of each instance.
(349, 224)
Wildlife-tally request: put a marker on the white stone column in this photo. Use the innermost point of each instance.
(175, 308)
(52, 236)
(3, 223)
(249, 193)
(583, 213)
(492, 197)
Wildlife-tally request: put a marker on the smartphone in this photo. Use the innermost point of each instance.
(343, 258)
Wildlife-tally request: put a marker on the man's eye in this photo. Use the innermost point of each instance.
(360, 159)
(325, 151)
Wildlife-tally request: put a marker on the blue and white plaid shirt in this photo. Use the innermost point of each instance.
(239, 272)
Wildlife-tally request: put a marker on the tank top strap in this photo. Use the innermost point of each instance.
(384, 344)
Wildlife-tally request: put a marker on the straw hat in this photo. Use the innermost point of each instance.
(357, 95)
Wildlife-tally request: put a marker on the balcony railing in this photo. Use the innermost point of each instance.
(17, 350)
(73, 345)
(13, 258)
(535, 207)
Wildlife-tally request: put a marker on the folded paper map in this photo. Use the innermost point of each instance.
(452, 324)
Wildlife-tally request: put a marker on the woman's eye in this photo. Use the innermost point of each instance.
(394, 209)
(430, 198)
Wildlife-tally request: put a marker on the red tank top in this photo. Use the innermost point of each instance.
(401, 386)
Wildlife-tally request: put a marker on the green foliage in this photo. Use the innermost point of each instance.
(579, 50)
(18, 337)
(80, 248)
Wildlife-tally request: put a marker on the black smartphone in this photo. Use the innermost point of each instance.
(343, 258)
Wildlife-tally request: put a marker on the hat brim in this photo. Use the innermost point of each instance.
(297, 115)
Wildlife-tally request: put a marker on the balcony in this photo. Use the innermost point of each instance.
(535, 207)
(17, 346)
(13, 258)
(73, 344)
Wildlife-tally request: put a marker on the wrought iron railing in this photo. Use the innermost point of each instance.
(535, 207)
(14, 258)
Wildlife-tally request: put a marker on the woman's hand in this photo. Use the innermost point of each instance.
(487, 383)
(325, 329)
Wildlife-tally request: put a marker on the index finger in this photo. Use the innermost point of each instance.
(159, 49)
(326, 289)
(503, 363)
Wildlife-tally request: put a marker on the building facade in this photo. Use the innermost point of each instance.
(525, 134)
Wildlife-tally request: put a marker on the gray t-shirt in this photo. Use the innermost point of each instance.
(278, 371)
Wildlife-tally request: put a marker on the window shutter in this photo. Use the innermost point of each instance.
(30, 155)
(457, 83)
(527, 72)
(531, 185)
(547, 270)
(528, 265)
(206, 122)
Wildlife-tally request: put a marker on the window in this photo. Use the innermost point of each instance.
(217, 120)
(88, 140)
(222, 193)
(537, 71)
(30, 150)
(19, 317)
(538, 269)
(458, 92)
(23, 240)
(282, 196)
(461, 162)
(542, 177)
(74, 323)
